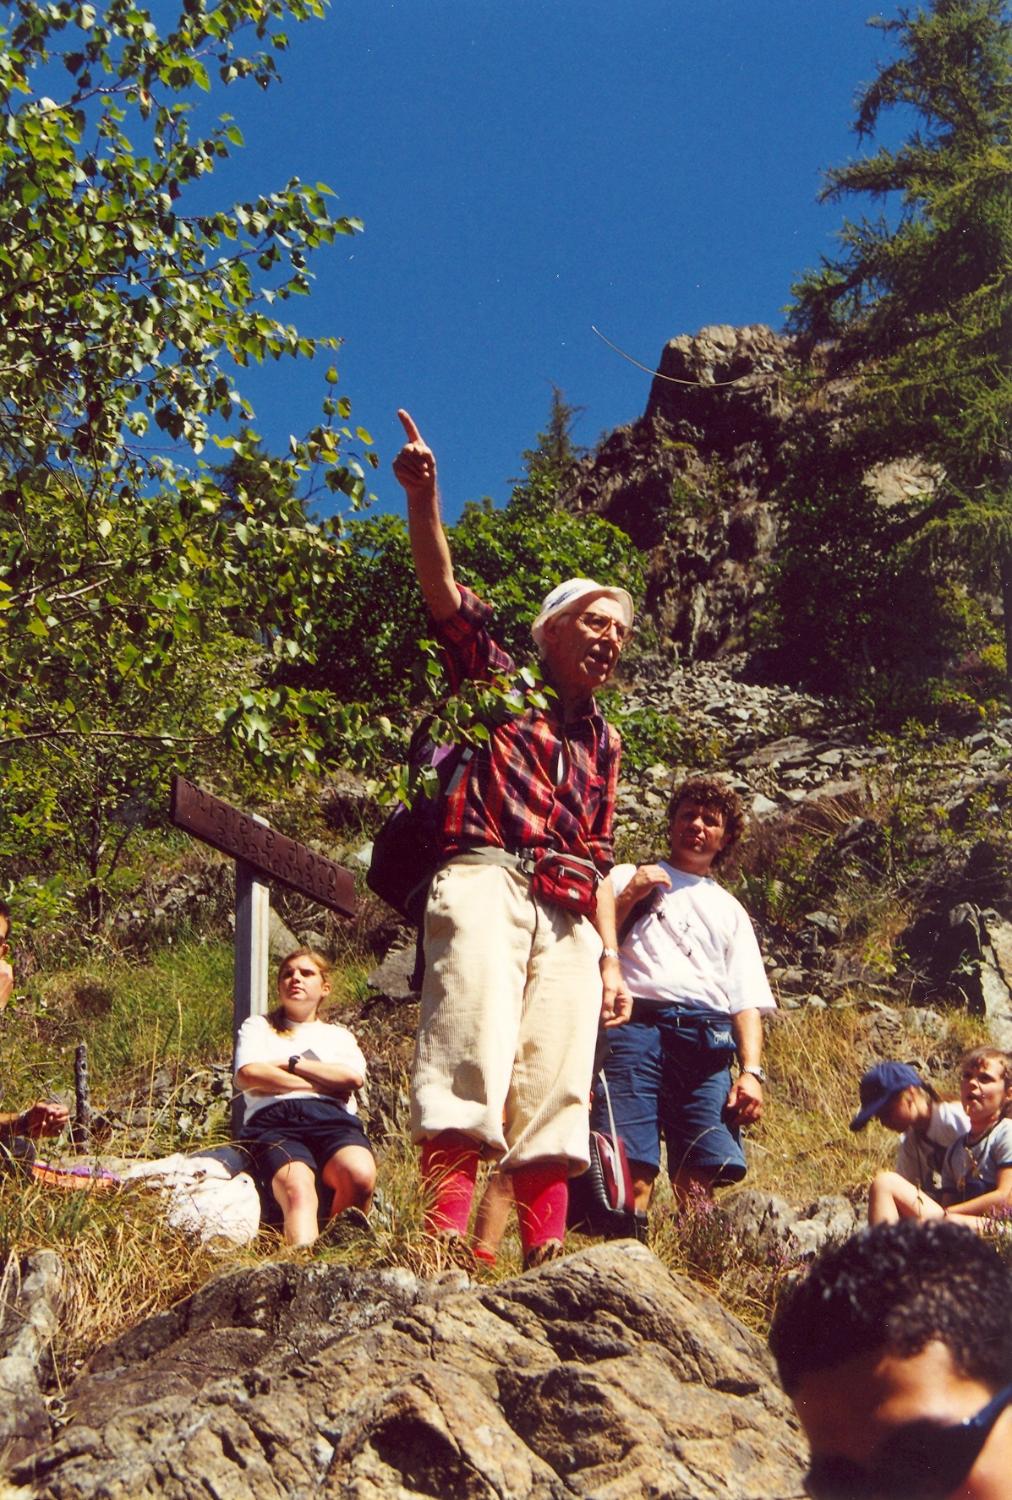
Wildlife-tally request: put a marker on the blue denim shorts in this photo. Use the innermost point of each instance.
(668, 1073)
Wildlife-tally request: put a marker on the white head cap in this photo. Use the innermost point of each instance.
(566, 596)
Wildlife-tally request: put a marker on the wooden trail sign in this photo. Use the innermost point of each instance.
(260, 854)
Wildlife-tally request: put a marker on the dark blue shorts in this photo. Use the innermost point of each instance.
(668, 1071)
(301, 1129)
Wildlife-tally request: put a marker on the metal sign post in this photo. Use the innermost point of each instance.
(252, 981)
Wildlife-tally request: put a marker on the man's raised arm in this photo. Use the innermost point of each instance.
(415, 470)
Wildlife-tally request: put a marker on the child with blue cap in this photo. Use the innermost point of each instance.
(895, 1094)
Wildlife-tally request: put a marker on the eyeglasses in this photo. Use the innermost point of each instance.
(599, 625)
(918, 1461)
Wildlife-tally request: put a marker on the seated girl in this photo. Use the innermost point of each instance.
(898, 1097)
(977, 1169)
(298, 1075)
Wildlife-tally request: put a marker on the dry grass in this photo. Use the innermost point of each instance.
(805, 1147)
(120, 1261)
(871, 923)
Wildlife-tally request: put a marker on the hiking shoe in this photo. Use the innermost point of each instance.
(540, 1255)
(452, 1250)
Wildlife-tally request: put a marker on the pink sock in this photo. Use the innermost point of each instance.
(449, 1168)
(542, 1198)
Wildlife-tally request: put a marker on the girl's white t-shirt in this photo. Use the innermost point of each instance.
(919, 1158)
(259, 1042)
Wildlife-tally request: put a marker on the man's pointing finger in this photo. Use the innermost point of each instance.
(407, 422)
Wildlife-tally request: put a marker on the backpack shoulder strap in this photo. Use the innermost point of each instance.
(646, 906)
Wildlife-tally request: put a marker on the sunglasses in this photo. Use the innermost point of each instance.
(919, 1461)
(599, 625)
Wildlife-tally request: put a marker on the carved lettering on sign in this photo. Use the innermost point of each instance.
(277, 856)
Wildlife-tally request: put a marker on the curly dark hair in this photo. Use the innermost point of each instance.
(896, 1288)
(708, 791)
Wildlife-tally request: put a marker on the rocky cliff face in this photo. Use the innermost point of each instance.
(694, 481)
(691, 482)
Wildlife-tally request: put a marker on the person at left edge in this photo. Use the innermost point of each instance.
(20, 1129)
(514, 984)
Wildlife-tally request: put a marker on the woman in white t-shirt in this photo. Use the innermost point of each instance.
(298, 1075)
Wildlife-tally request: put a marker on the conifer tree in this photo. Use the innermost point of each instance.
(919, 304)
(556, 455)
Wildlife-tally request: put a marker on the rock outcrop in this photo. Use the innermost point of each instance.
(692, 480)
(601, 1375)
(30, 1301)
(695, 481)
(796, 1234)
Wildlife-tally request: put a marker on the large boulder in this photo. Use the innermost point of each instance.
(600, 1375)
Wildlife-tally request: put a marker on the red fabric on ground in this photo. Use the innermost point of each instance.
(542, 1198)
(449, 1169)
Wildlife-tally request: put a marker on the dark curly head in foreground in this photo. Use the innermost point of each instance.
(897, 1288)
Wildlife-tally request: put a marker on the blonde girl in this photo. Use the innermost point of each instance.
(298, 1075)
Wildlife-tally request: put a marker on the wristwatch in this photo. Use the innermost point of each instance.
(609, 953)
(756, 1072)
(293, 1060)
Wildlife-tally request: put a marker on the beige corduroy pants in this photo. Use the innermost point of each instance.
(510, 1007)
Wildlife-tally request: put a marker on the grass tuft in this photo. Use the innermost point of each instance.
(120, 1261)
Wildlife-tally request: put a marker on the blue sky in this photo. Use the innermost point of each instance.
(526, 170)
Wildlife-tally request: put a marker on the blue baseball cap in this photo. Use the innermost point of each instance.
(879, 1085)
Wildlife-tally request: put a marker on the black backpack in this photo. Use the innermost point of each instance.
(406, 851)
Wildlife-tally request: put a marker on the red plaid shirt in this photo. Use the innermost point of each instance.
(510, 797)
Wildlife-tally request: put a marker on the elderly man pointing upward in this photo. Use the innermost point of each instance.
(521, 958)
